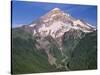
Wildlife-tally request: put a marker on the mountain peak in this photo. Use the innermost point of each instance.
(55, 9)
(56, 14)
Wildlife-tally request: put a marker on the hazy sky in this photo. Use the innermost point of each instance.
(24, 12)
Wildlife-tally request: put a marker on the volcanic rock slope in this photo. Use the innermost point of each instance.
(54, 42)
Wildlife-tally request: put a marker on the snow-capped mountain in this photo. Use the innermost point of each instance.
(55, 42)
(59, 26)
(56, 23)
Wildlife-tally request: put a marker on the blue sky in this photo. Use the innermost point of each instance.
(24, 12)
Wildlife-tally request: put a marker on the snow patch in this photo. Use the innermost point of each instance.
(32, 25)
(56, 9)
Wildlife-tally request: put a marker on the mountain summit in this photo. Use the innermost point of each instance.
(56, 9)
(56, 14)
